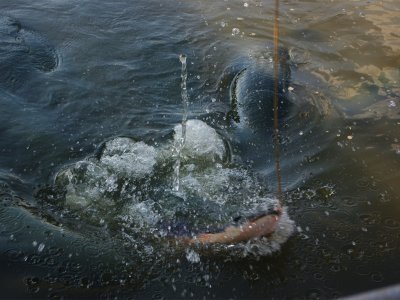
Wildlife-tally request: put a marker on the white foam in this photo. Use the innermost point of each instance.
(140, 214)
(123, 155)
(202, 141)
(266, 245)
(87, 182)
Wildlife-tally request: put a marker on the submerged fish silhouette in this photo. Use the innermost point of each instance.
(24, 53)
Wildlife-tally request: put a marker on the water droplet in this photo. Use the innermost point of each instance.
(182, 58)
(396, 148)
(192, 256)
(41, 247)
(377, 277)
(32, 284)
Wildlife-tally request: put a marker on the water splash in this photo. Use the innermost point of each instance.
(202, 142)
(126, 188)
(181, 141)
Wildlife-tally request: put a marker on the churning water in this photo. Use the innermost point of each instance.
(103, 168)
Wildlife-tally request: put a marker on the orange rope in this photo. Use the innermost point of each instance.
(276, 102)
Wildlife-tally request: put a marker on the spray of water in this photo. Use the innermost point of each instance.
(276, 103)
(181, 141)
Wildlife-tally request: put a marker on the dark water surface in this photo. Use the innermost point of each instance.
(75, 74)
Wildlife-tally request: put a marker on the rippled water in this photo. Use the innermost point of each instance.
(80, 78)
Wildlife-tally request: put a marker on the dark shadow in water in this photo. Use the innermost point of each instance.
(24, 53)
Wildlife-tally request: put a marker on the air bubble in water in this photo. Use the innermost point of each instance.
(235, 31)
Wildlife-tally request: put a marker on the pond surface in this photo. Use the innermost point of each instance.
(91, 105)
